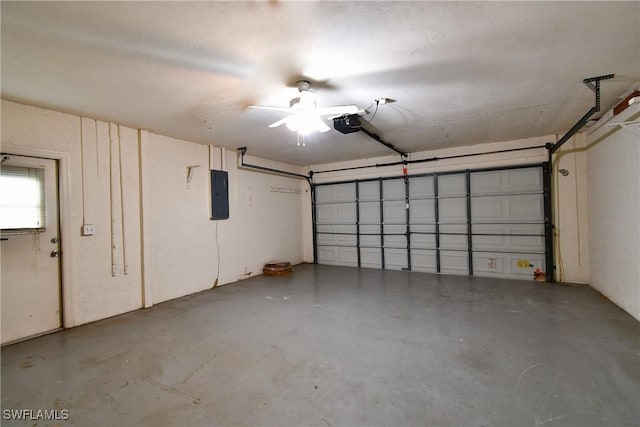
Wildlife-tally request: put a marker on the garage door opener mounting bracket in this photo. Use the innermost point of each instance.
(592, 83)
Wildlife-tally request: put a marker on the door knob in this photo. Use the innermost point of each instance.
(55, 254)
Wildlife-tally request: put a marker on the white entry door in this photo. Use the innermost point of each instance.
(30, 257)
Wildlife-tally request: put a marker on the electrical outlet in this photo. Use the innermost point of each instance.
(88, 230)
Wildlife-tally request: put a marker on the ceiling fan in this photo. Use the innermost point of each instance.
(304, 114)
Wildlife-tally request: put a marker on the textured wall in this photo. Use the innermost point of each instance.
(614, 206)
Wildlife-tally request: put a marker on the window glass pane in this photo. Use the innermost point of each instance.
(21, 197)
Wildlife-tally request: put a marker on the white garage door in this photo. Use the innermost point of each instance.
(484, 223)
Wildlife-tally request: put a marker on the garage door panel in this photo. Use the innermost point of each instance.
(423, 228)
(422, 211)
(509, 237)
(370, 241)
(369, 191)
(333, 255)
(393, 189)
(529, 179)
(346, 213)
(395, 236)
(453, 228)
(326, 214)
(370, 235)
(395, 212)
(421, 187)
(370, 213)
(512, 208)
(336, 228)
(370, 232)
(526, 243)
(526, 207)
(452, 210)
(395, 241)
(336, 239)
(488, 209)
(371, 258)
(452, 185)
(515, 266)
(340, 213)
(454, 262)
(489, 242)
(448, 241)
(534, 229)
(489, 182)
(511, 181)
(336, 193)
(509, 243)
(395, 259)
(424, 261)
(423, 241)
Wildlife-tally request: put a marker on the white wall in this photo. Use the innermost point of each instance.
(613, 158)
(108, 263)
(265, 220)
(571, 213)
(161, 229)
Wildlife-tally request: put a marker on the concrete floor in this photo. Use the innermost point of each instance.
(342, 346)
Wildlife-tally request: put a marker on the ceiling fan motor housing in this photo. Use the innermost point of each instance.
(347, 124)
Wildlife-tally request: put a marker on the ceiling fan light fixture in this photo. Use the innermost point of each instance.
(306, 123)
(305, 115)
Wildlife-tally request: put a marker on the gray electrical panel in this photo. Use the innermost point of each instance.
(219, 194)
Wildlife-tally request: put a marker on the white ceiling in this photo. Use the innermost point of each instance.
(460, 73)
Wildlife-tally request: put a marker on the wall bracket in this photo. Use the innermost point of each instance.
(190, 170)
(592, 83)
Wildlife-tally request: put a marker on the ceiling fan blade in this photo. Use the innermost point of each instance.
(280, 122)
(264, 107)
(337, 110)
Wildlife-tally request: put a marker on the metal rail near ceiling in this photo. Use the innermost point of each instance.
(385, 143)
(408, 232)
(592, 83)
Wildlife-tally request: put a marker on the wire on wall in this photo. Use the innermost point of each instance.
(97, 150)
(575, 181)
(218, 246)
(82, 172)
(374, 113)
(222, 166)
(124, 246)
(111, 215)
(557, 229)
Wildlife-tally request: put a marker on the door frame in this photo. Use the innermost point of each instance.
(64, 217)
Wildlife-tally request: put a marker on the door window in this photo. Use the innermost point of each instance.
(22, 201)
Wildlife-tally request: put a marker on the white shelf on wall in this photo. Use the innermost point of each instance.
(628, 120)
